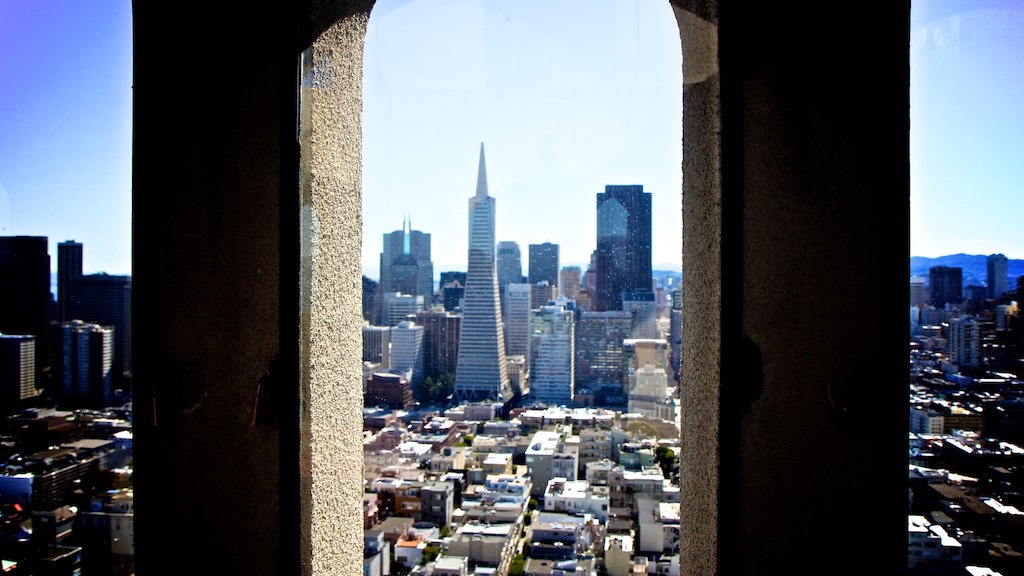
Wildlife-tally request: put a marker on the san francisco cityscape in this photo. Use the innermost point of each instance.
(522, 306)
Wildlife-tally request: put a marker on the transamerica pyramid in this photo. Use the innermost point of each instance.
(481, 372)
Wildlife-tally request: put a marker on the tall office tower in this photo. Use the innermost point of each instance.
(106, 300)
(481, 371)
(541, 294)
(440, 341)
(69, 267)
(17, 369)
(25, 301)
(377, 345)
(552, 356)
(623, 262)
(510, 268)
(675, 338)
(544, 263)
(997, 281)
(397, 307)
(945, 285)
(590, 276)
(407, 351)
(918, 292)
(643, 308)
(965, 342)
(405, 264)
(87, 352)
(371, 300)
(599, 353)
(569, 282)
(517, 319)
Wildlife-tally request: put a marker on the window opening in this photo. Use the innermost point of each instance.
(965, 445)
(66, 494)
(521, 286)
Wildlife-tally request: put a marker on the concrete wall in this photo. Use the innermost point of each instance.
(246, 284)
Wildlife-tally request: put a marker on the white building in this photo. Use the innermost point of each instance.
(964, 342)
(407, 350)
(398, 307)
(658, 524)
(552, 355)
(550, 456)
(576, 497)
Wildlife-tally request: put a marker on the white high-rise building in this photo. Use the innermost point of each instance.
(407, 350)
(398, 307)
(481, 372)
(552, 355)
(964, 342)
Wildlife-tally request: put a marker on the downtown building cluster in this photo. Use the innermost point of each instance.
(66, 501)
(966, 444)
(523, 423)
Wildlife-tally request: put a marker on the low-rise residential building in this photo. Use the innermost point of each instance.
(497, 463)
(930, 549)
(491, 545)
(550, 456)
(557, 536)
(437, 502)
(447, 565)
(618, 554)
(576, 497)
(658, 524)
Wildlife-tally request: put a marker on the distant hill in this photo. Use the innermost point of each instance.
(974, 265)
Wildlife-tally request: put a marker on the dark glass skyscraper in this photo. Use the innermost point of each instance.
(69, 267)
(945, 284)
(623, 256)
(25, 301)
(481, 371)
(106, 299)
(544, 263)
(996, 265)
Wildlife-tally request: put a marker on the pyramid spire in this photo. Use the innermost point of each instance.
(481, 177)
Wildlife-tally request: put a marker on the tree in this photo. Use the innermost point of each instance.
(666, 458)
(517, 566)
(429, 553)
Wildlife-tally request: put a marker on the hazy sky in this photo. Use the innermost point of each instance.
(585, 96)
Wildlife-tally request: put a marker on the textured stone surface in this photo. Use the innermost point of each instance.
(331, 410)
(702, 294)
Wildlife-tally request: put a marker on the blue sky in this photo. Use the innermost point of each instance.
(967, 127)
(584, 97)
(65, 126)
